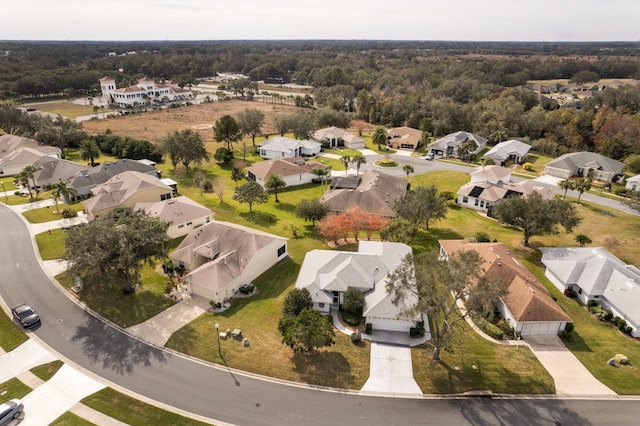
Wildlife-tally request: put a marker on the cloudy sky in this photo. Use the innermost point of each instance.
(500, 20)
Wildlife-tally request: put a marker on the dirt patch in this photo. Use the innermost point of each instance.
(200, 118)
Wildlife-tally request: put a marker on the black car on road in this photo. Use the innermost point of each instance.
(26, 315)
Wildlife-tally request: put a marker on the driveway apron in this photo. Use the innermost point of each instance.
(390, 371)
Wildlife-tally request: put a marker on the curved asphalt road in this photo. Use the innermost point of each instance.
(236, 398)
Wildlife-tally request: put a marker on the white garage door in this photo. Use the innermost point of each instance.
(540, 328)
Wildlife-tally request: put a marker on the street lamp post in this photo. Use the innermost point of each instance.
(218, 336)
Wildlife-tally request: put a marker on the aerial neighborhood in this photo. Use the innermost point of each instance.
(290, 226)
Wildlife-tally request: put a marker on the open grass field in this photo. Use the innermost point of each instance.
(65, 108)
(200, 118)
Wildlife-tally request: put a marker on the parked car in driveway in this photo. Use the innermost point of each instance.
(26, 315)
(429, 156)
(10, 410)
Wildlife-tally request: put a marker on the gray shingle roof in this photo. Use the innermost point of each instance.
(575, 160)
(103, 172)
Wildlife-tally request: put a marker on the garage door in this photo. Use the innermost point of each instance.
(540, 328)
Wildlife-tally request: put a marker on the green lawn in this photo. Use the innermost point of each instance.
(12, 389)
(51, 246)
(70, 419)
(11, 336)
(501, 369)
(132, 411)
(343, 365)
(48, 214)
(46, 371)
(124, 310)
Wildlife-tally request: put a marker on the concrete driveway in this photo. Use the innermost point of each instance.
(390, 371)
(570, 376)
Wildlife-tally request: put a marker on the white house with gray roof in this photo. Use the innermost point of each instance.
(633, 183)
(511, 150)
(281, 147)
(333, 136)
(86, 180)
(328, 274)
(595, 274)
(448, 145)
(182, 213)
(585, 163)
(221, 256)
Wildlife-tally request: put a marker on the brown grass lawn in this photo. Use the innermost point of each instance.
(155, 125)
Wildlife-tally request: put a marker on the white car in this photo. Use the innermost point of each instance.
(429, 156)
(10, 411)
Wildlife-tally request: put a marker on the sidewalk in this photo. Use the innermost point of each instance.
(49, 400)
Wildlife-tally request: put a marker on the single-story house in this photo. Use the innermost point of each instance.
(220, 256)
(294, 171)
(281, 147)
(633, 183)
(585, 164)
(405, 138)
(328, 274)
(333, 135)
(527, 306)
(373, 191)
(491, 184)
(447, 146)
(182, 213)
(125, 190)
(14, 161)
(595, 274)
(83, 182)
(51, 170)
(511, 150)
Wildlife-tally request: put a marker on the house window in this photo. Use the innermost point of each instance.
(477, 201)
(165, 197)
(579, 290)
(180, 226)
(282, 250)
(263, 153)
(189, 223)
(320, 305)
(465, 199)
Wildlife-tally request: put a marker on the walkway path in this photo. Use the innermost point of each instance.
(158, 330)
(390, 368)
(49, 400)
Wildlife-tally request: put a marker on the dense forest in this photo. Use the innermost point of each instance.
(439, 87)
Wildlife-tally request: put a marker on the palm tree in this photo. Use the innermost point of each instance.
(359, 160)
(29, 173)
(379, 136)
(582, 185)
(60, 190)
(23, 180)
(346, 159)
(583, 240)
(89, 150)
(322, 173)
(408, 168)
(273, 182)
(566, 184)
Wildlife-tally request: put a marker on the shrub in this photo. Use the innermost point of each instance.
(621, 191)
(594, 309)
(591, 303)
(447, 195)
(489, 328)
(622, 325)
(413, 332)
(527, 166)
(569, 327)
(356, 337)
(420, 328)
(350, 318)
(482, 237)
(570, 293)
(246, 288)
(368, 328)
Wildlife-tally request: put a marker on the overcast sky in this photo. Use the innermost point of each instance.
(475, 20)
